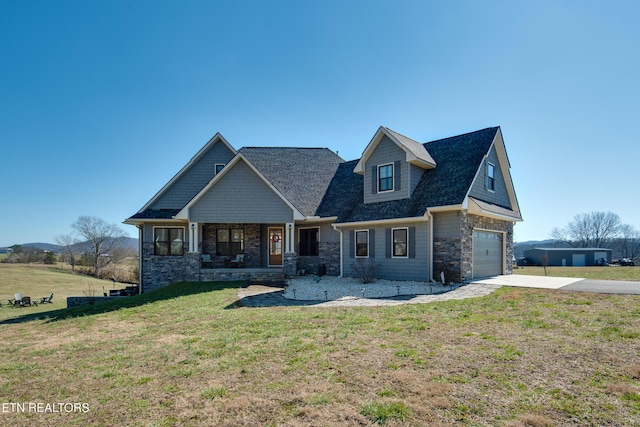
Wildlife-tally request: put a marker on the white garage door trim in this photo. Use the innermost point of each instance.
(488, 253)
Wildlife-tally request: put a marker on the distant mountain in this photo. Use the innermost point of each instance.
(130, 243)
(520, 247)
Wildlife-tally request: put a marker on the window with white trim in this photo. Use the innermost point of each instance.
(362, 243)
(491, 180)
(168, 241)
(400, 242)
(385, 178)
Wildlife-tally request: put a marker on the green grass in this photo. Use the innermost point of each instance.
(190, 355)
(37, 281)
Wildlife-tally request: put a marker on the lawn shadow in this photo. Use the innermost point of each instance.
(276, 298)
(269, 299)
(166, 293)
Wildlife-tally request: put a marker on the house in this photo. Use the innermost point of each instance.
(414, 211)
(568, 257)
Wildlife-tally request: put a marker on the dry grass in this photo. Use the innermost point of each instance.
(187, 355)
(612, 272)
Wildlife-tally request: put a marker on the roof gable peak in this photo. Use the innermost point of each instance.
(416, 153)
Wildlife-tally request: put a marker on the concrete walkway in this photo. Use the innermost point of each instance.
(520, 280)
(566, 284)
(265, 296)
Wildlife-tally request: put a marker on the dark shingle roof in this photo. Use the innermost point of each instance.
(458, 159)
(301, 175)
(344, 191)
(156, 214)
(318, 182)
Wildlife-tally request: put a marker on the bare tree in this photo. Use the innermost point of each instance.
(105, 242)
(68, 243)
(629, 241)
(590, 230)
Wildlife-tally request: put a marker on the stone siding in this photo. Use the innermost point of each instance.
(454, 256)
(485, 223)
(252, 247)
(328, 254)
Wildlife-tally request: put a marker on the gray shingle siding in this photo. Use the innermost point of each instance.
(193, 179)
(479, 189)
(300, 174)
(415, 175)
(414, 267)
(241, 196)
(446, 224)
(386, 152)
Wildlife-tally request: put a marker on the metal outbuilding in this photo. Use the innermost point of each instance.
(568, 257)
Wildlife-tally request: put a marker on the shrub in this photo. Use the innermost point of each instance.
(365, 269)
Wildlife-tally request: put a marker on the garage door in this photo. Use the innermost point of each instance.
(579, 260)
(487, 254)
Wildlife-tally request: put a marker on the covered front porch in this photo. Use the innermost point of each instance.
(226, 248)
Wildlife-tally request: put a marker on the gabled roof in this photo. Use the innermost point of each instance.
(316, 182)
(301, 175)
(217, 138)
(416, 153)
(458, 159)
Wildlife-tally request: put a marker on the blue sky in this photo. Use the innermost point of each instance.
(102, 102)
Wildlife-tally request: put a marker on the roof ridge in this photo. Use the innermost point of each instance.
(463, 134)
(293, 148)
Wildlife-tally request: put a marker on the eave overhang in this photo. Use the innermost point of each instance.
(422, 159)
(184, 212)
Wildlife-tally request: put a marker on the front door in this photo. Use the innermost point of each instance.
(276, 242)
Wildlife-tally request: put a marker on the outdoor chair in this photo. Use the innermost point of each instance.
(26, 301)
(17, 300)
(206, 260)
(47, 300)
(238, 261)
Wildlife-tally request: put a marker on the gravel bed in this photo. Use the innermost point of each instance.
(330, 288)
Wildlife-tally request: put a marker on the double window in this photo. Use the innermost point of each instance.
(385, 177)
(229, 242)
(168, 241)
(309, 238)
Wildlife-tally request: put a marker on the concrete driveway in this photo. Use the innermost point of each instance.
(564, 283)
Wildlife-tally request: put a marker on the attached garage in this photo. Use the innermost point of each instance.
(487, 253)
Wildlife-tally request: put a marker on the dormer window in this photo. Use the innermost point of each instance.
(219, 167)
(385, 178)
(491, 180)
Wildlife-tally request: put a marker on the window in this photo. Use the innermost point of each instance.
(491, 180)
(229, 242)
(168, 241)
(219, 167)
(308, 245)
(362, 244)
(385, 177)
(400, 238)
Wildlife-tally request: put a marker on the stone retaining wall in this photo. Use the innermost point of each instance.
(76, 301)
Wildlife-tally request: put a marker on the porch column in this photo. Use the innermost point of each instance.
(193, 236)
(290, 234)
